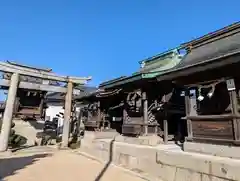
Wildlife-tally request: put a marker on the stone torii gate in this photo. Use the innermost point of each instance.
(17, 79)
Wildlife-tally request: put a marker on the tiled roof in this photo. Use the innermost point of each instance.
(203, 51)
(209, 51)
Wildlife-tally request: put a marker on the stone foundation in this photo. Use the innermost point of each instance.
(90, 135)
(152, 140)
(216, 150)
(163, 162)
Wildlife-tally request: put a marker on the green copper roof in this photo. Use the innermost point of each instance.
(153, 67)
(160, 55)
(158, 63)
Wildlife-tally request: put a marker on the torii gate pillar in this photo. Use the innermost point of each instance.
(8, 113)
(67, 115)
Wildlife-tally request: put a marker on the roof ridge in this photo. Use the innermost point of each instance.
(213, 36)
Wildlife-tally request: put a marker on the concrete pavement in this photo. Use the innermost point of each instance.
(59, 166)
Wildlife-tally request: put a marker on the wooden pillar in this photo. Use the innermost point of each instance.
(165, 122)
(156, 129)
(145, 112)
(124, 115)
(80, 116)
(99, 120)
(165, 131)
(234, 107)
(67, 115)
(8, 113)
(191, 109)
(41, 106)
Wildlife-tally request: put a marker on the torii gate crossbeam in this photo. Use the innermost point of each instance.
(16, 72)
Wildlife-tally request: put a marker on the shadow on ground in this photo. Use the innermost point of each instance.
(9, 166)
(100, 175)
(37, 125)
(22, 147)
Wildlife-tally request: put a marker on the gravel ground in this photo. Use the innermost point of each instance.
(59, 166)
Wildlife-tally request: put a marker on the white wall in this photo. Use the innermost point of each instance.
(51, 111)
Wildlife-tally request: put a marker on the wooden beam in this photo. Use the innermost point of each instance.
(214, 117)
(5, 67)
(41, 87)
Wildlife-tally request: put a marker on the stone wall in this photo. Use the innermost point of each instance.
(163, 162)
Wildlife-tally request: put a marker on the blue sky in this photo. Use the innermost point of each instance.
(103, 38)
